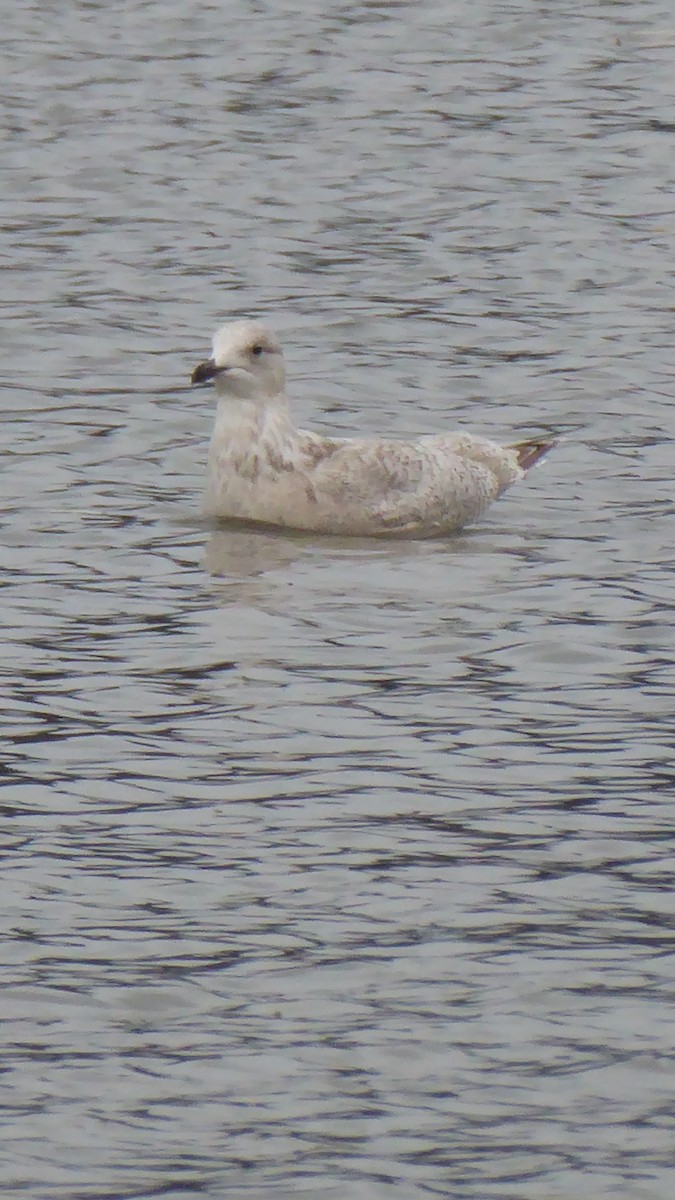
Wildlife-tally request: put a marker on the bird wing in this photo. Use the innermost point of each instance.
(404, 485)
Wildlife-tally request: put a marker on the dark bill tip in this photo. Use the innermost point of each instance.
(204, 372)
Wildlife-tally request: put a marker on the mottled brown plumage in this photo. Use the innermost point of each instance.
(262, 468)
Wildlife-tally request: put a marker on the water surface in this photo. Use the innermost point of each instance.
(338, 869)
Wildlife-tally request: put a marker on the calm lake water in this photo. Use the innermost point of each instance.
(338, 869)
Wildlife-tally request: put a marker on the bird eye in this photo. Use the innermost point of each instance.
(257, 350)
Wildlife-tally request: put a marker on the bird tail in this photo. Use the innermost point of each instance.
(532, 451)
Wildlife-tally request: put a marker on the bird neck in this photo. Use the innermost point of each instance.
(242, 422)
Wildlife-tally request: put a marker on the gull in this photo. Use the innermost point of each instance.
(263, 469)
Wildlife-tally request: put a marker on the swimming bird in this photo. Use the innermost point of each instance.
(262, 468)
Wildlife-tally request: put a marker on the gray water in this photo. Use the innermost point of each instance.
(338, 869)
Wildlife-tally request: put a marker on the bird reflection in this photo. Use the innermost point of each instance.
(240, 551)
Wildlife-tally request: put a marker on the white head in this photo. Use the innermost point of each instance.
(247, 362)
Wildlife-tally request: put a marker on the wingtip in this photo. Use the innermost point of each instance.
(532, 451)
